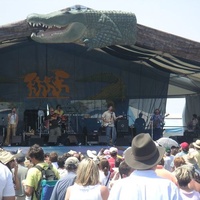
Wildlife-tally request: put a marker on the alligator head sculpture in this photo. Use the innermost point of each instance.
(79, 24)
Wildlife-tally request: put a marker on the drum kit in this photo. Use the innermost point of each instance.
(64, 122)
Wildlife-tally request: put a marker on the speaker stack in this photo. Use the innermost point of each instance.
(123, 136)
(122, 126)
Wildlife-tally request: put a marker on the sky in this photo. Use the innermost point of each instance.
(179, 17)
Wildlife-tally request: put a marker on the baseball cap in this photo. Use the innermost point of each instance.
(167, 150)
(20, 157)
(71, 161)
(113, 150)
(106, 152)
(72, 152)
(91, 154)
(184, 145)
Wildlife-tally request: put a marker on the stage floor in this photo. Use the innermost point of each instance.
(64, 149)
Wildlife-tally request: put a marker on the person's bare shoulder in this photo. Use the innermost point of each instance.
(104, 192)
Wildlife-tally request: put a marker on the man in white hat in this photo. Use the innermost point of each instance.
(196, 153)
(143, 183)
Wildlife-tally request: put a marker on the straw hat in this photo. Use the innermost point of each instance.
(143, 154)
(197, 144)
(190, 159)
(6, 156)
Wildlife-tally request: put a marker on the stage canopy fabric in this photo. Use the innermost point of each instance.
(34, 71)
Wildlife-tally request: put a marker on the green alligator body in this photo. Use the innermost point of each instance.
(94, 28)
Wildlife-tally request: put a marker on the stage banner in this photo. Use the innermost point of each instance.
(34, 75)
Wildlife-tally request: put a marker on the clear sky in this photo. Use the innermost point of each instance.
(179, 17)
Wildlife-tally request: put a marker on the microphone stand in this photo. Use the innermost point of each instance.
(151, 125)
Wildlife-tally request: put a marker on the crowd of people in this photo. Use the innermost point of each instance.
(145, 171)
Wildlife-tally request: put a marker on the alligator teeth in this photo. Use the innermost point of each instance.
(34, 25)
(30, 23)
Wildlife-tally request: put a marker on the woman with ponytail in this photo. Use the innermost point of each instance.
(104, 172)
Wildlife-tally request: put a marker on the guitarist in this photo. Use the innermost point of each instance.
(109, 119)
(157, 122)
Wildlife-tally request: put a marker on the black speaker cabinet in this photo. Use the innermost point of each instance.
(122, 141)
(92, 139)
(16, 139)
(36, 140)
(181, 139)
(193, 134)
(122, 126)
(91, 125)
(103, 139)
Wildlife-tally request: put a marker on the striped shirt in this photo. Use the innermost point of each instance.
(61, 186)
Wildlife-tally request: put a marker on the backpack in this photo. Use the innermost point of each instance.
(46, 184)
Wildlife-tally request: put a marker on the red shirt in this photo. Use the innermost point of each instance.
(111, 161)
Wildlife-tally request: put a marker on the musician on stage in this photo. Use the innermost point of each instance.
(59, 111)
(109, 119)
(54, 128)
(157, 122)
(12, 125)
(140, 124)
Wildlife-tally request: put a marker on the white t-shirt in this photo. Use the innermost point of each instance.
(193, 195)
(7, 187)
(104, 179)
(168, 161)
(109, 117)
(144, 185)
(13, 118)
(92, 192)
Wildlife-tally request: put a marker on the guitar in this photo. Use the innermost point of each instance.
(158, 121)
(105, 124)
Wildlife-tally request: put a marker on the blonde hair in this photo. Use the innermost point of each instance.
(87, 173)
(184, 175)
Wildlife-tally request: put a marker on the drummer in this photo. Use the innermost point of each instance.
(59, 111)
